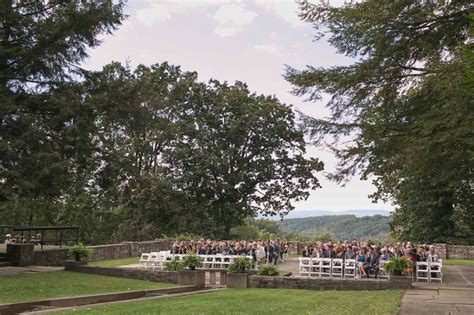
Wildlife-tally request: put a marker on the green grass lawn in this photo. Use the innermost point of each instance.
(115, 262)
(262, 301)
(458, 262)
(35, 286)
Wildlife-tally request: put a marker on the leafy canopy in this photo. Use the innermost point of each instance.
(405, 104)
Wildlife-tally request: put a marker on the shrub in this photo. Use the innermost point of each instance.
(397, 266)
(241, 264)
(192, 261)
(80, 252)
(174, 265)
(269, 270)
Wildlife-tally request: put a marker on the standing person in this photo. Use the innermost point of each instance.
(269, 252)
(8, 239)
(276, 252)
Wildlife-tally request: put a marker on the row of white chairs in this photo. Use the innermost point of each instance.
(157, 260)
(429, 271)
(331, 267)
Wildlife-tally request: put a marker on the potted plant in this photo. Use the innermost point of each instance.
(192, 261)
(269, 270)
(174, 265)
(396, 267)
(80, 252)
(238, 272)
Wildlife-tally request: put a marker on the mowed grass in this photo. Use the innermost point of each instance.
(458, 262)
(26, 287)
(262, 301)
(115, 262)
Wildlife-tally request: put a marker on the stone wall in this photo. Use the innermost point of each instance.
(327, 283)
(57, 257)
(20, 254)
(460, 252)
(148, 275)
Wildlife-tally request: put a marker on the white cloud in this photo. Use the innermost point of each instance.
(270, 49)
(232, 17)
(284, 9)
(161, 11)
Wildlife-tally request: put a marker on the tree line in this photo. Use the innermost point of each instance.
(132, 154)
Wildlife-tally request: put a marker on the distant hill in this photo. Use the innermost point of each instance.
(341, 227)
(318, 213)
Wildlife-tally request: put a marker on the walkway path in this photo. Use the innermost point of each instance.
(454, 296)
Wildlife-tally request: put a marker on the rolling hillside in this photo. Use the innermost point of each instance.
(340, 226)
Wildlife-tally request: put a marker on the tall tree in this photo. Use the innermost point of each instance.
(238, 154)
(41, 45)
(406, 104)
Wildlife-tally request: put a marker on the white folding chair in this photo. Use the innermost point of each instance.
(436, 271)
(350, 268)
(336, 267)
(382, 273)
(304, 266)
(326, 266)
(315, 267)
(143, 262)
(152, 261)
(422, 271)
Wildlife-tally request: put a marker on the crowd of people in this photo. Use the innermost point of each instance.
(271, 251)
(369, 257)
(20, 239)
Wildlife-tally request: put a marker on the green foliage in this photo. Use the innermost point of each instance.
(43, 131)
(175, 265)
(262, 229)
(397, 266)
(268, 270)
(339, 227)
(80, 252)
(407, 105)
(323, 236)
(240, 265)
(192, 261)
(184, 237)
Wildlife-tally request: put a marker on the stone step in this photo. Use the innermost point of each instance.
(5, 264)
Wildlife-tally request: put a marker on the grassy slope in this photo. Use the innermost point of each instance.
(115, 262)
(458, 262)
(24, 287)
(262, 301)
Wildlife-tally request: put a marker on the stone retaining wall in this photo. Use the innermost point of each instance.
(460, 252)
(148, 275)
(57, 257)
(327, 283)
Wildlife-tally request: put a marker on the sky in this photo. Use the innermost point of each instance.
(249, 41)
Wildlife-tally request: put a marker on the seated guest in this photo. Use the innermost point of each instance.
(306, 251)
(383, 254)
(350, 254)
(372, 263)
(339, 252)
(432, 255)
(360, 258)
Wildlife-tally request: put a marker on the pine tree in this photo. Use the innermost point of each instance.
(406, 102)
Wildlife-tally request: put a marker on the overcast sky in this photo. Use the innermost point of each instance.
(249, 41)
